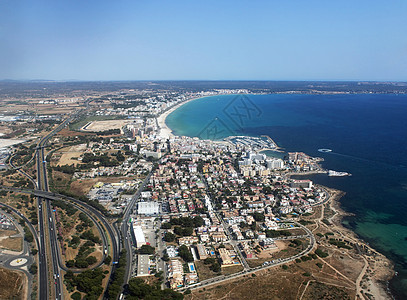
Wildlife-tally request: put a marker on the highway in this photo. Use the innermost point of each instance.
(126, 230)
(35, 234)
(102, 233)
(45, 216)
(110, 230)
(42, 250)
(42, 184)
(87, 209)
(22, 172)
(44, 208)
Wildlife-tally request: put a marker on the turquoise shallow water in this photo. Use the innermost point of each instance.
(368, 138)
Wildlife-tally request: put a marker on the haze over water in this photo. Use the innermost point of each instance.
(368, 137)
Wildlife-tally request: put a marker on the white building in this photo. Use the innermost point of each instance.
(256, 156)
(147, 208)
(275, 164)
(138, 236)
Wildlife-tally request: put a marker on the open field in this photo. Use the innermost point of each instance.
(282, 251)
(71, 154)
(231, 269)
(281, 245)
(7, 107)
(69, 133)
(97, 126)
(4, 130)
(277, 283)
(60, 180)
(204, 272)
(12, 285)
(77, 125)
(10, 240)
(83, 186)
(39, 109)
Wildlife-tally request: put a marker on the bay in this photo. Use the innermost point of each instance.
(368, 137)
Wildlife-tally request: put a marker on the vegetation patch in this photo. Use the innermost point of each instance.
(318, 290)
(138, 289)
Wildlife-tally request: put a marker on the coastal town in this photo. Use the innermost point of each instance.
(133, 206)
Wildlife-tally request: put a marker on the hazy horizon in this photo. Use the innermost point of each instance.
(197, 80)
(184, 40)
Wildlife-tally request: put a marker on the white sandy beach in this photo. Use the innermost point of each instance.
(164, 131)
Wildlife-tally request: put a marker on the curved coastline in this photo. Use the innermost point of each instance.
(166, 132)
(379, 283)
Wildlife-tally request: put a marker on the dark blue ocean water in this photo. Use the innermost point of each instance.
(368, 137)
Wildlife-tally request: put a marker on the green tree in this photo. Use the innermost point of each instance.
(70, 263)
(185, 254)
(169, 237)
(91, 260)
(187, 231)
(146, 249)
(198, 221)
(33, 269)
(107, 260)
(166, 226)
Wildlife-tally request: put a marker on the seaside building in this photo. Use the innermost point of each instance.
(275, 164)
(305, 184)
(256, 156)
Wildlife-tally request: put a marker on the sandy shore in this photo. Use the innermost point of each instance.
(164, 131)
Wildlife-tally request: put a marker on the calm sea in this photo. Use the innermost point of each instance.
(368, 137)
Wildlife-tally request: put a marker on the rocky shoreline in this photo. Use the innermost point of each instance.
(378, 270)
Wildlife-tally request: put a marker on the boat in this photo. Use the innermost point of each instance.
(338, 174)
(325, 150)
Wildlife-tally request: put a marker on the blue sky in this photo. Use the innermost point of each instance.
(194, 40)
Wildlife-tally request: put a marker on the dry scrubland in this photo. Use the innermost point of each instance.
(11, 240)
(277, 283)
(12, 285)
